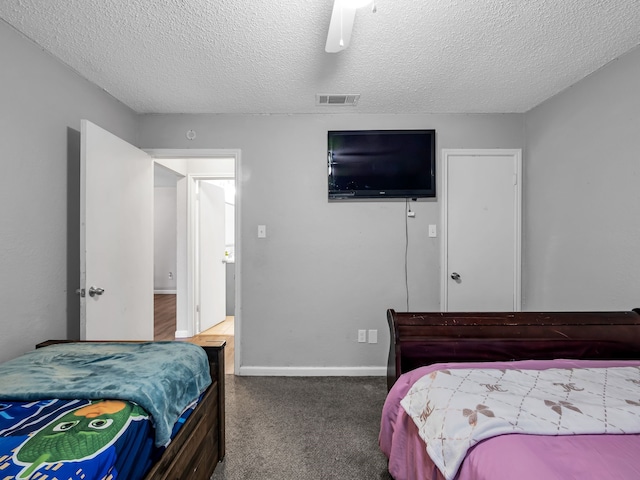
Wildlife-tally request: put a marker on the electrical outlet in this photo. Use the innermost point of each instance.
(362, 336)
(373, 336)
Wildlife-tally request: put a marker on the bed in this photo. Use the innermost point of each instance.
(106, 410)
(433, 355)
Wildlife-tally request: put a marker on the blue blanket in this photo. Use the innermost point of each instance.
(164, 378)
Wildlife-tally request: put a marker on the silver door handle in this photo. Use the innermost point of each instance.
(455, 276)
(95, 291)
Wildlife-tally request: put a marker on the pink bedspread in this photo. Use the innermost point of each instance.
(509, 457)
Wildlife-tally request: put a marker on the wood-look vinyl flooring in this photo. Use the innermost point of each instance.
(165, 328)
(164, 317)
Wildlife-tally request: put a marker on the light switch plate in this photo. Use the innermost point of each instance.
(432, 231)
(262, 231)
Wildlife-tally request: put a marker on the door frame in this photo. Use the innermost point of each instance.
(202, 153)
(516, 153)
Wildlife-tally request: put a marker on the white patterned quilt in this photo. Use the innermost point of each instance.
(455, 409)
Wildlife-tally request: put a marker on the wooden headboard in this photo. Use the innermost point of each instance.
(424, 338)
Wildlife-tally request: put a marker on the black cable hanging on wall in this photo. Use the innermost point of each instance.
(406, 249)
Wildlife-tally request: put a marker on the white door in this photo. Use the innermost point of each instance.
(116, 238)
(481, 230)
(211, 246)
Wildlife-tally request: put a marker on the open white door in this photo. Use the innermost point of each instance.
(116, 238)
(211, 244)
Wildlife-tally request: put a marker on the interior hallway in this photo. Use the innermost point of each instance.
(165, 328)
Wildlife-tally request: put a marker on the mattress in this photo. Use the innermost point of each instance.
(96, 410)
(505, 457)
(77, 439)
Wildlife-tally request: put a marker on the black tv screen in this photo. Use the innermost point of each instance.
(382, 164)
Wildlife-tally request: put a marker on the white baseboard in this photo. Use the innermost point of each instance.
(313, 371)
(182, 334)
(165, 292)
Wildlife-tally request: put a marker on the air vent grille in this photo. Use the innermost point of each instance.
(337, 99)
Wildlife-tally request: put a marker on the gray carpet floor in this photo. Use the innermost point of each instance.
(302, 428)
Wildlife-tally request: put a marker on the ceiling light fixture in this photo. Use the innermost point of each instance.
(341, 24)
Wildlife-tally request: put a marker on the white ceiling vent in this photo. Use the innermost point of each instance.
(333, 99)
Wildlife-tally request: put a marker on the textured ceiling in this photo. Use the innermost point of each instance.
(267, 56)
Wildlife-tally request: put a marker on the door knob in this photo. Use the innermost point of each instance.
(455, 276)
(95, 291)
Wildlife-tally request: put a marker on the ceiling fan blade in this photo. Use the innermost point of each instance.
(340, 27)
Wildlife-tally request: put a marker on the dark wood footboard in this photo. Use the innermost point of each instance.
(200, 443)
(425, 338)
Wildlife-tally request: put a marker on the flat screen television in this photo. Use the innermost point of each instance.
(381, 164)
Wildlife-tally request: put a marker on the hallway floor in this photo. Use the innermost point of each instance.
(165, 328)
(223, 330)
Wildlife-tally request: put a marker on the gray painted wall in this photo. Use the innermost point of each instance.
(582, 194)
(41, 104)
(165, 236)
(325, 269)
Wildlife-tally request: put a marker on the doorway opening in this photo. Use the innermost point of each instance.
(203, 299)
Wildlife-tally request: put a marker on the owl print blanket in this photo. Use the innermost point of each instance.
(74, 440)
(456, 409)
(164, 378)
